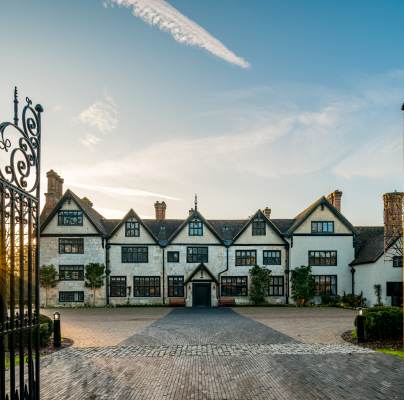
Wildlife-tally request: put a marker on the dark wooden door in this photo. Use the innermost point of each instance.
(201, 294)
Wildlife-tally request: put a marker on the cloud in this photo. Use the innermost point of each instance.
(101, 115)
(89, 140)
(122, 191)
(185, 31)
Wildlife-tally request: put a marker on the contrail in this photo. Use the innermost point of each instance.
(161, 14)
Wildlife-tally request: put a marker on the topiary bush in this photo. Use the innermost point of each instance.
(383, 323)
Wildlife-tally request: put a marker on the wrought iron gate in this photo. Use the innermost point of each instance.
(20, 143)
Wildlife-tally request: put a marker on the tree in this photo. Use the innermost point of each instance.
(94, 277)
(303, 285)
(48, 278)
(259, 284)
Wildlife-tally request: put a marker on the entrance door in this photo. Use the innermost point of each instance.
(201, 294)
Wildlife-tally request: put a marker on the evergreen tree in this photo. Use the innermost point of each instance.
(94, 277)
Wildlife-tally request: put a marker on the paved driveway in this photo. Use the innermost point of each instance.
(219, 354)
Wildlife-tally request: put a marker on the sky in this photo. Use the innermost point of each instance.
(248, 104)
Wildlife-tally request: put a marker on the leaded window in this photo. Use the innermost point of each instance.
(195, 227)
(117, 286)
(132, 229)
(71, 297)
(397, 261)
(276, 285)
(234, 286)
(70, 217)
(71, 246)
(146, 286)
(271, 257)
(71, 272)
(175, 286)
(135, 254)
(322, 227)
(259, 227)
(322, 257)
(173, 256)
(326, 285)
(246, 257)
(197, 254)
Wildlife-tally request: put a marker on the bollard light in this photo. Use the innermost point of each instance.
(57, 337)
(360, 326)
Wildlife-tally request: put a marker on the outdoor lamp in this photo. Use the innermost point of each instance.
(360, 326)
(57, 336)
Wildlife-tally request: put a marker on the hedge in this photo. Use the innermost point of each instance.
(383, 323)
(45, 332)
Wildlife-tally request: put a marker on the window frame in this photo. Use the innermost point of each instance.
(135, 228)
(317, 279)
(322, 224)
(198, 257)
(116, 285)
(321, 262)
(175, 283)
(171, 253)
(133, 257)
(238, 259)
(274, 283)
(73, 292)
(258, 227)
(63, 242)
(79, 269)
(399, 263)
(144, 286)
(235, 286)
(62, 216)
(195, 227)
(265, 259)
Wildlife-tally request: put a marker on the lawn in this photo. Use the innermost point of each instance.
(392, 352)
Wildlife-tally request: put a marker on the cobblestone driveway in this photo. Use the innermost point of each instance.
(219, 354)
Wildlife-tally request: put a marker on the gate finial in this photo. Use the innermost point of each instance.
(15, 106)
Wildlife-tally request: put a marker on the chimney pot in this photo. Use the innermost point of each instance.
(160, 208)
(335, 199)
(267, 212)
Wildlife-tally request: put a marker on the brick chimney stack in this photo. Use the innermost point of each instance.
(267, 212)
(393, 216)
(335, 199)
(54, 193)
(160, 210)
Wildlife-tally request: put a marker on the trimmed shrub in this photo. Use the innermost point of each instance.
(353, 300)
(331, 301)
(383, 323)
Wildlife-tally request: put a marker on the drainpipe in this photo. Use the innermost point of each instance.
(226, 269)
(353, 279)
(287, 273)
(107, 271)
(164, 272)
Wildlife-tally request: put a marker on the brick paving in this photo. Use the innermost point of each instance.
(219, 354)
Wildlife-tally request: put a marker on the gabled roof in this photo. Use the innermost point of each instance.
(194, 214)
(370, 241)
(202, 267)
(322, 201)
(227, 229)
(132, 214)
(95, 218)
(163, 229)
(268, 221)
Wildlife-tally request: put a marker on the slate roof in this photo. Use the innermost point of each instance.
(300, 218)
(370, 240)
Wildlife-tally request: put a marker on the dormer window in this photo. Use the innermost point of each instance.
(259, 227)
(322, 227)
(195, 227)
(132, 228)
(70, 218)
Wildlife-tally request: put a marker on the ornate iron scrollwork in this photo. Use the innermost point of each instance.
(22, 145)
